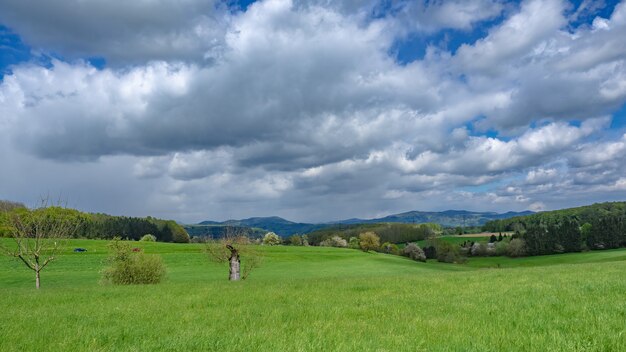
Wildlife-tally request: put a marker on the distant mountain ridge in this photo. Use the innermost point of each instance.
(272, 223)
(446, 218)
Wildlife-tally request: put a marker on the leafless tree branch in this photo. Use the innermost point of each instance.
(38, 234)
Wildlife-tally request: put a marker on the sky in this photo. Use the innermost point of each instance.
(312, 110)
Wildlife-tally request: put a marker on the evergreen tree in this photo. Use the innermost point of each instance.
(569, 235)
(537, 239)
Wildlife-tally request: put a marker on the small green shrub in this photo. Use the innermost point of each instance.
(448, 252)
(354, 243)
(128, 266)
(502, 247)
(389, 248)
(295, 240)
(180, 236)
(298, 240)
(148, 238)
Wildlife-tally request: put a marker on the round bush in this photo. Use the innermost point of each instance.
(148, 238)
(389, 248)
(271, 239)
(369, 241)
(414, 252)
(128, 267)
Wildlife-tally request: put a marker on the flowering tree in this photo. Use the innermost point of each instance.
(271, 239)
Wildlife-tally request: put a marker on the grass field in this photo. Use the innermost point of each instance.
(319, 299)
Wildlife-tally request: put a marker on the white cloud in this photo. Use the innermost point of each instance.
(541, 176)
(515, 38)
(599, 153)
(484, 155)
(537, 206)
(429, 16)
(301, 111)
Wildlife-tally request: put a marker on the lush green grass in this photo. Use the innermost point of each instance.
(613, 255)
(319, 299)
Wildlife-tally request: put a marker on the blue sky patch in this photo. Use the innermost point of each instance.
(12, 50)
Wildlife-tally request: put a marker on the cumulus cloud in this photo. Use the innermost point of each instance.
(598, 153)
(485, 155)
(536, 21)
(283, 71)
(297, 107)
(537, 206)
(121, 31)
(545, 70)
(428, 16)
(541, 176)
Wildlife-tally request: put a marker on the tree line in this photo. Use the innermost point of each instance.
(97, 226)
(199, 233)
(597, 226)
(388, 232)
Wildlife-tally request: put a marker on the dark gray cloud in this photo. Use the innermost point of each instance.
(133, 32)
(121, 31)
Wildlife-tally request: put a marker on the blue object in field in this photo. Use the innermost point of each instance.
(80, 250)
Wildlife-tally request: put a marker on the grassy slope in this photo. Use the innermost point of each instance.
(313, 299)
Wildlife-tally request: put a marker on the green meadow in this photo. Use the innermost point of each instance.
(319, 299)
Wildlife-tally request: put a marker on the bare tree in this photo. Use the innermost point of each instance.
(37, 235)
(236, 249)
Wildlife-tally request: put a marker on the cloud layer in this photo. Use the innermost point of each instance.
(301, 109)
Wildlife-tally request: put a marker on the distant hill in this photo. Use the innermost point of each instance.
(273, 223)
(583, 214)
(448, 218)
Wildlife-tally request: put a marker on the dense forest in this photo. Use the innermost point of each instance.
(390, 232)
(597, 226)
(200, 232)
(101, 226)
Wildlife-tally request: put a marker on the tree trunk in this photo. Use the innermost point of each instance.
(37, 279)
(234, 265)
